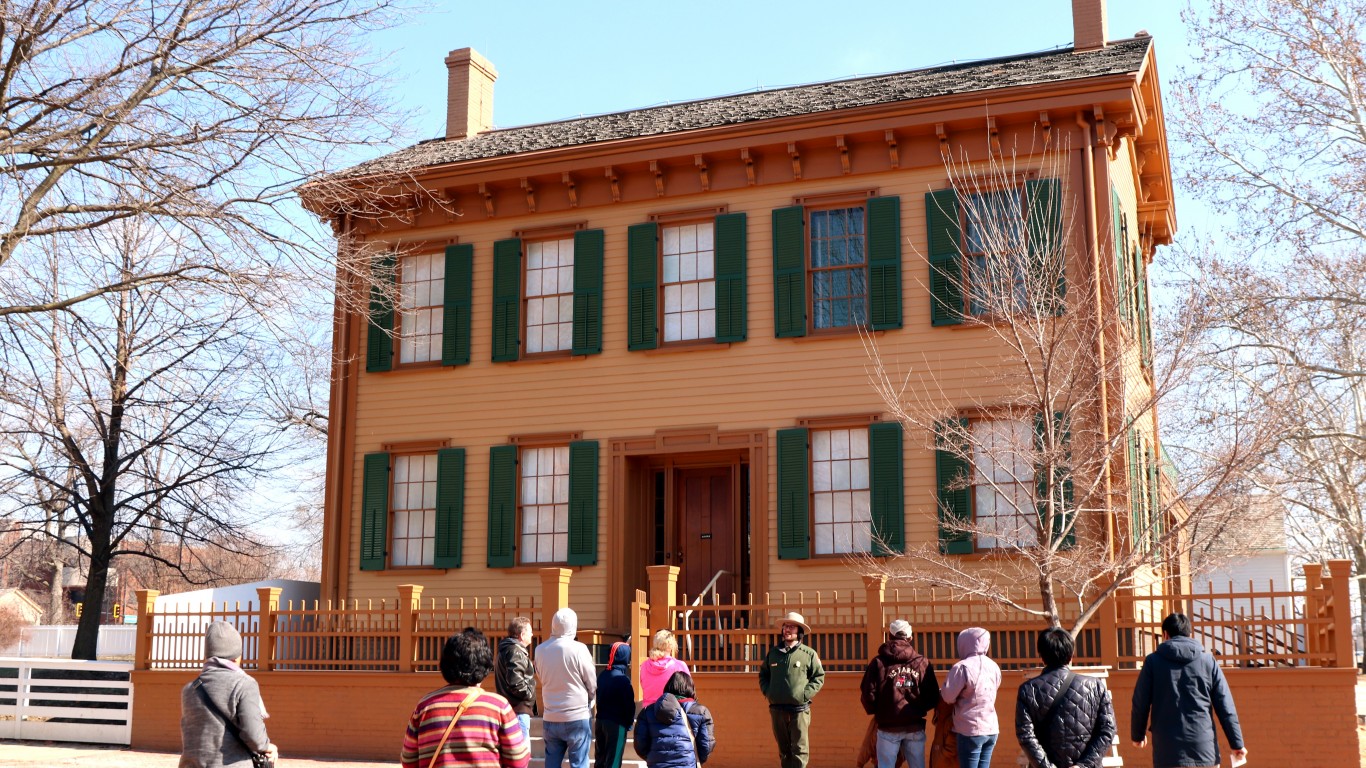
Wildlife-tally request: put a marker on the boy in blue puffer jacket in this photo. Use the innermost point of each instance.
(616, 707)
(660, 732)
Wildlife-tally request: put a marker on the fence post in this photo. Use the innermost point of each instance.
(640, 630)
(1340, 613)
(1313, 612)
(269, 598)
(147, 606)
(409, 601)
(874, 589)
(663, 594)
(554, 596)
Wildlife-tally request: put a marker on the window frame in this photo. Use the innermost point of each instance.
(437, 257)
(661, 312)
(969, 257)
(1030, 484)
(812, 491)
(809, 207)
(408, 449)
(524, 299)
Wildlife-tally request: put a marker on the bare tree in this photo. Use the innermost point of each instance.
(201, 116)
(137, 413)
(1055, 467)
(1273, 122)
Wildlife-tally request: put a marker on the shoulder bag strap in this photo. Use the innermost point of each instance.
(228, 724)
(687, 726)
(1047, 719)
(459, 713)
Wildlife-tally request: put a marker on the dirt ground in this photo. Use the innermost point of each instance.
(93, 755)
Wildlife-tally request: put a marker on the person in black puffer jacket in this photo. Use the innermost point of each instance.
(616, 707)
(660, 735)
(1063, 719)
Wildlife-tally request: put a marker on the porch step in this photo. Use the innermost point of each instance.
(628, 758)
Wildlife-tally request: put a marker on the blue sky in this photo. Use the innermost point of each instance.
(560, 60)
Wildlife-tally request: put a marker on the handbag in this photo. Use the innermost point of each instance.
(258, 759)
(944, 749)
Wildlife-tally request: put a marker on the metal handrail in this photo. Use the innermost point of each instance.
(711, 587)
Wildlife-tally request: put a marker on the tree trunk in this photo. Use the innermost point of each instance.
(55, 603)
(88, 629)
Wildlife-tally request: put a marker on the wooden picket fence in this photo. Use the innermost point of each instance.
(1242, 626)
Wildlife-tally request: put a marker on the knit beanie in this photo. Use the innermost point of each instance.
(223, 640)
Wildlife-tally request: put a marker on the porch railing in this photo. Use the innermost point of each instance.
(1309, 627)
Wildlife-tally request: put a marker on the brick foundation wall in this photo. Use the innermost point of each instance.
(1300, 717)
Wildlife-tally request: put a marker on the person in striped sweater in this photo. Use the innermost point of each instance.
(485, 732)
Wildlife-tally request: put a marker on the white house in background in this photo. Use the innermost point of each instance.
(181, 612)
(1252, 554)
(22, 604)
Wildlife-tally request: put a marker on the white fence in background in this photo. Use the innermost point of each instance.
(50, 700)
(56, 641)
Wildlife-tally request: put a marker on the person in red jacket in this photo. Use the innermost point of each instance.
(898, 689)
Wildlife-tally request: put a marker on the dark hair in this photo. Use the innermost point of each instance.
(466, 658)
(1055, 647)
(516, 626)
(680, 685)
(1177, 625)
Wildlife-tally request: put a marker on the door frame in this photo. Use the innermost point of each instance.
(688, 446)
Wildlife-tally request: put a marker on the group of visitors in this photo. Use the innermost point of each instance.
(1062, 719)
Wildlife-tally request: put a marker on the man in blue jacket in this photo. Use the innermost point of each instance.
(1181, 685)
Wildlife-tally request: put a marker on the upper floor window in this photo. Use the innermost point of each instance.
(422, 284)
(995, 247)
(549, 295)
(688, 281)
(838, 268)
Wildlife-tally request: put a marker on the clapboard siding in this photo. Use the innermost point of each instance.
(761, 383)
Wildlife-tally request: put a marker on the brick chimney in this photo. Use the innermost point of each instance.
(469, 94)
(1088, 25)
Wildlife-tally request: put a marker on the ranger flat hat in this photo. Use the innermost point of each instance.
(792, 617)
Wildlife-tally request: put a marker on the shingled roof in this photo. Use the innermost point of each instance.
(1027, 69)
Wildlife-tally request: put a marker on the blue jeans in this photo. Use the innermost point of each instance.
(975, 751)
(525, 722)
(572, 738)
(910, 745)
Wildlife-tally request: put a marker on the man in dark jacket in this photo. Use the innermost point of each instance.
(789, 678)
(899, 688)
(616, 707)
(1181, 684)
(1063, 719)
(513, 674)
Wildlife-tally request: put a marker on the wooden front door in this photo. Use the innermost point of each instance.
(707, 536)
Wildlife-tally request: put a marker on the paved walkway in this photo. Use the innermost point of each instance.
(93, 755)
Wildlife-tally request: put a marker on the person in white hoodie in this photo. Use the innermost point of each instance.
(569, 683)
(971, 688)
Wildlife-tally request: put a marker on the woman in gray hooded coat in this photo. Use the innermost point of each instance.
(222, 717)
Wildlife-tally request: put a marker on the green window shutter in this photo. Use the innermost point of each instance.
(886, 487)
(954, 495)
(731, 282)
(794, 495)
(1047, 251)
(642, 286)
(945, 257)
(583, 502)
(1123, 284)
(502, 551)
(588, 245)
(379, 339)
(1145, 328)
(507, 300)
(884, 263)
(374, 512)
(1154, 491)
(450, 506)
(1062, 483)
(1137, 528)
(455, 325)
(789, 272)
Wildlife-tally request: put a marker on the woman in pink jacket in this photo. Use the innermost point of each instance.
(971, 689)
(661, 666)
